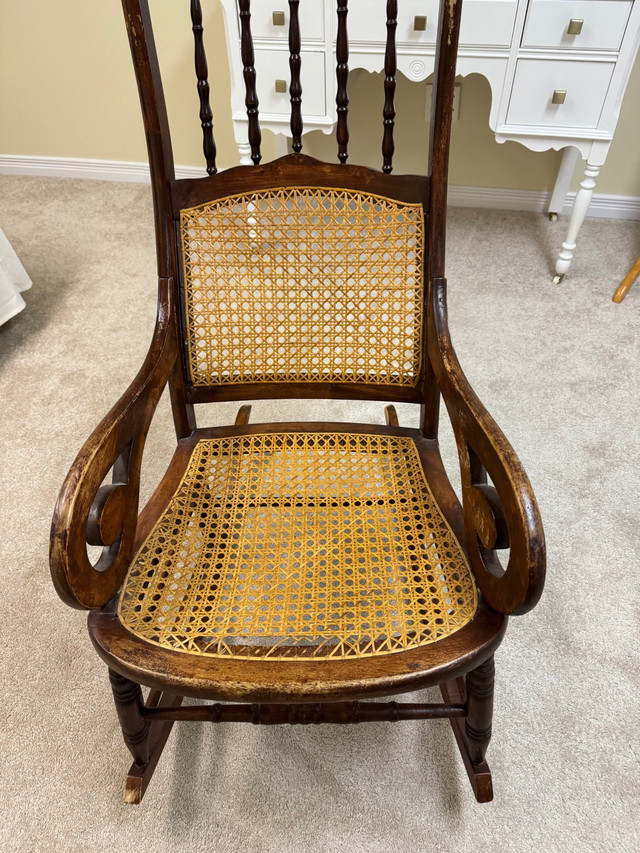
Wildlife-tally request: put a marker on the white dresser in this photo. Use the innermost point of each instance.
(557, 69)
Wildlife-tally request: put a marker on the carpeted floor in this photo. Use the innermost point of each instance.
(559, 369)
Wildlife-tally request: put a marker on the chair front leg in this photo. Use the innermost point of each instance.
(127, 696)
(477, 727)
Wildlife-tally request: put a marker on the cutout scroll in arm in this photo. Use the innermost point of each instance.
(500, 514)
(90, 513)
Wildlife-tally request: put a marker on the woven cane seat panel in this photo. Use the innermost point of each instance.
(299, 546)
(303, 284)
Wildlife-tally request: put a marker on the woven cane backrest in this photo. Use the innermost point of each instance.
(305, 284)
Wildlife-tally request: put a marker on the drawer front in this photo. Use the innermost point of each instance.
(601, 23)
(310, 14)
(484, 22)
(536, 80)
(273, 65)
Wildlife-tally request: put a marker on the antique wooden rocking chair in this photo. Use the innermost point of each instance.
(291, 572)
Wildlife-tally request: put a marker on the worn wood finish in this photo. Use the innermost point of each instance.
(479, 774)
(341, 713)
(498, 506)
(440, 131)
(249, 73)
(202, 73)
(295, 87)
(297, 170)
(390, 67)
(477, 724)
(342, 76)
(158, 138)
(482, 447)
(117, 441)
(139, 776)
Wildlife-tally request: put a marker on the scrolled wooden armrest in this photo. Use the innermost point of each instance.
(106, 515)
(501, 515)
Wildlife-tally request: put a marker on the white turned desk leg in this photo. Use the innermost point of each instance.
(580, 207)
(563, 181)
(244, 150)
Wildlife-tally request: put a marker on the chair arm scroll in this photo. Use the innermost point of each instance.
(88, 512)
(500, 515)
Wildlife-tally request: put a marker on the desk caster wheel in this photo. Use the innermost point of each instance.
(557, 279)
(553, 217)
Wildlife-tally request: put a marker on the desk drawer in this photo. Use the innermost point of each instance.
(601, 24)
(536, 80)
(264, 12)
(487, 23)
(273, 65)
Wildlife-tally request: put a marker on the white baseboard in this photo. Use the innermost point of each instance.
(605, 206)
(76, 167)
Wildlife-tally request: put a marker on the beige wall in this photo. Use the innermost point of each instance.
(67, 90)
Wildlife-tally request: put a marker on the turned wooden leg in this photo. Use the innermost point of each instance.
(477, 725)
(127, 696)
(580, 208)
(478, 772)
(145, 740)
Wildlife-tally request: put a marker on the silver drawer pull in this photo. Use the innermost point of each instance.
(559, 96)
(281, 87)
(420, 23)
(575, 26)
(278, 19)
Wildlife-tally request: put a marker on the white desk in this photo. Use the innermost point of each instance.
(524, 48)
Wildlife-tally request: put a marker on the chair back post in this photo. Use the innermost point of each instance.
(161, 165)
(440, 133)
(156, 126)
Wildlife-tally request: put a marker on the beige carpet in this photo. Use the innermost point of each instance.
(558, 367)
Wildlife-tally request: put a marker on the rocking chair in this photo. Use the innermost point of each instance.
(293, 572)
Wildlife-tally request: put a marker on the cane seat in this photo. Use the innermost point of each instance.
(286, 545)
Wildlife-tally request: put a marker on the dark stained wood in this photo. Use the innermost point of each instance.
(517, 588)
(302, 390)
(479, 774)
(127, 696)
(242, 417)
(342, 76)
(249, 73)
(138, 777)
(202, 73)
(158, 138)
(121, 434)
(296, 681)
(390, 67)
(298, 170)
(498, 506)
(440, 130)
(390, 416)
(295, 88)
(477, 724)
(341, 713)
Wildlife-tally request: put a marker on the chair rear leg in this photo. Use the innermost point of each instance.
(144, 740)
(479, 709)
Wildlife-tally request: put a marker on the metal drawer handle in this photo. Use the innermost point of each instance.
(278, 19)
(281, 87)
(559, 96)
(575, 26)
(420, 23)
